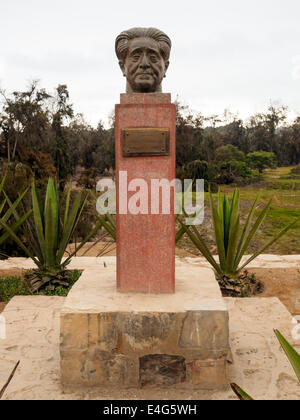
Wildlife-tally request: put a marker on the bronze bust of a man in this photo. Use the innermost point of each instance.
(143, 55)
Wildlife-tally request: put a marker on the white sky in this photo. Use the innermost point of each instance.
(236, 54)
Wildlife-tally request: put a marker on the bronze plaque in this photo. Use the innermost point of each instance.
(145, 142)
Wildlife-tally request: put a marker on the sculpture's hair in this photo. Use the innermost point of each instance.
(121, 45)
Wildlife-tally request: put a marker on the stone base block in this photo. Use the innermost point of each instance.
(114, 339)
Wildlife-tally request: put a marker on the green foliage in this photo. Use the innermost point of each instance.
(231, 171)
(231, 238)
(240, 393)
(34, 123)
(49, 236)
(8, 210)
(53, 290)
(261, 160)
(12, 286)
(62, 156)
(291, 353)
(24, 122)
(18, 178)
(229, 153)
(92, 148)
(198, 169)
(15, 286)
(293, 174)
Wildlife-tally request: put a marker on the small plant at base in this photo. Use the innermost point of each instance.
(232, 241)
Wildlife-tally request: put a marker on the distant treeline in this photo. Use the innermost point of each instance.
(41, 132)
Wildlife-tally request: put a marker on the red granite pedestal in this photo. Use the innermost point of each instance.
(147, 335)
(145, 242)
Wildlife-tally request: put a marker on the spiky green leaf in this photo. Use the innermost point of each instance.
(241, 394)
(291, 353)
(218, 228)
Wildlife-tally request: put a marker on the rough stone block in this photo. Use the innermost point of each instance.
(206, 331)
(111, 338)
(208, 374)
(74, 331)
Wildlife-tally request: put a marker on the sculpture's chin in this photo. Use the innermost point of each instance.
(143, 88)
(146, 89)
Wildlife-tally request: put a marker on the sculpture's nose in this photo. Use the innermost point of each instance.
(144, 64)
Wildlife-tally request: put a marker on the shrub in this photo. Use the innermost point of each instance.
(261, 160)
(228, 153)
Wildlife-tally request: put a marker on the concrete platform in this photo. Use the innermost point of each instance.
(130, 340)
(259, 364)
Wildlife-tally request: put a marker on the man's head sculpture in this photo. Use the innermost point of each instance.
(143, 55)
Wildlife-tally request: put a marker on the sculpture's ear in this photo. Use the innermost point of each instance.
(167, 65)
(122, 67)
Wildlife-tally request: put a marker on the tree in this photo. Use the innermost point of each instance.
(63, 111)
(24, 122)
(229, 152)
(261, 160)
(189, 135)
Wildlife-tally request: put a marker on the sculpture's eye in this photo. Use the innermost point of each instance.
(135, 57)
(154, 58)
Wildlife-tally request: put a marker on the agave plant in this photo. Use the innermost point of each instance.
(232, 239)
(11, 211)
(293, 357)
(48, 236)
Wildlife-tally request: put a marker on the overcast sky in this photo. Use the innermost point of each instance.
(236, 54)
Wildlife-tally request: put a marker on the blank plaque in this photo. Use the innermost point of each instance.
(145, 142)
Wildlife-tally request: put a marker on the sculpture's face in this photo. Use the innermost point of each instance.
(144, 66)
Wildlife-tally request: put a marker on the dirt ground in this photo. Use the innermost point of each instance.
(2, 306)
(283, 283)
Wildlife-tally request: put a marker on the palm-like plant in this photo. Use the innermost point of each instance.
(48, 236)
(231, 238)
